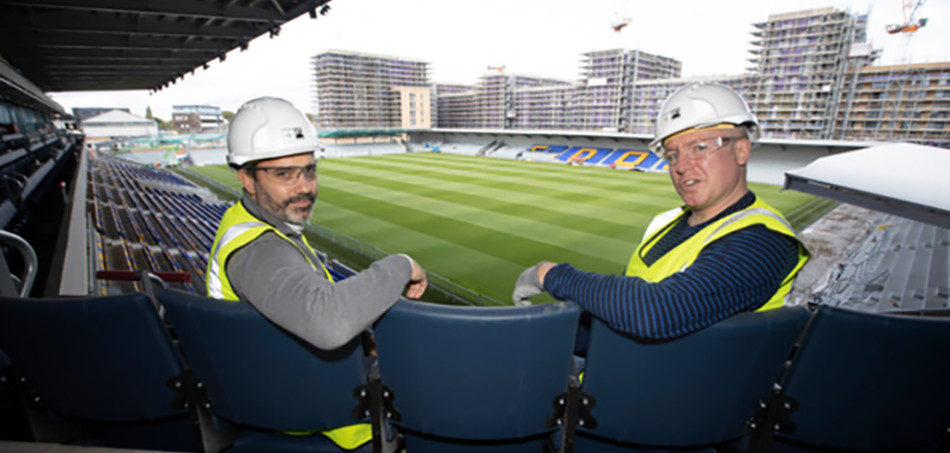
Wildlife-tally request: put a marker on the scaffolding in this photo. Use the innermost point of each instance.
(356, 89)
(899, 102)
(801, 60)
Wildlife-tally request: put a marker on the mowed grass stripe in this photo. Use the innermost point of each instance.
(492, 241)
(546, 170)
(600, 194)
(589, 244)
(574, 215)
(546, 173)
(471, 267)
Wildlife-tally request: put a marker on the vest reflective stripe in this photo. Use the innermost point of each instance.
(238, 228)
(232, 238)
(684, 254)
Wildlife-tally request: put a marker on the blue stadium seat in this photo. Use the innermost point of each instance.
(868, 382)
(106, 363)
(13, 422)
(475, 378)
(263, 381)
(693, 392)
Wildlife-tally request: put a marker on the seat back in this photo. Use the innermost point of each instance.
(866, 381)
(13, 422)
(103, 359)
(476, 373)
(257, 374)
(700, 389)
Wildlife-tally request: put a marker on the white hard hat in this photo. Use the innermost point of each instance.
(268, 128)
(702, 105)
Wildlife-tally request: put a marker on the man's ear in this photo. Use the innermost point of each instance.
(743, 150)
(247, 180)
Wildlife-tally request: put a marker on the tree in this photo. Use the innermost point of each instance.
(227, 115)
(148, 112)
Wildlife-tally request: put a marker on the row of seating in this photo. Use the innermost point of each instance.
(901, 265)
(150, 227)
(113, 371)
(25, 162)
(642, 159)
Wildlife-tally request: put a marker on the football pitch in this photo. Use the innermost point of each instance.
(480, 221)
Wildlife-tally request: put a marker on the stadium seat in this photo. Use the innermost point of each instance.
(13, 422)
(867, 382)
(103, 363)
(263, 381)
(475, 378)
(693, 392)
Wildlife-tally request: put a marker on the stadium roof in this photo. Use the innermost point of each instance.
(901, 179)
(84, 45)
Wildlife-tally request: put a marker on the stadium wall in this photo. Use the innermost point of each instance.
(771, 158)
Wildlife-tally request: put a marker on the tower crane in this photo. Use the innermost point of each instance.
(911, 22)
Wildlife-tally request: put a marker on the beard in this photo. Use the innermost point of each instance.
(283, 209)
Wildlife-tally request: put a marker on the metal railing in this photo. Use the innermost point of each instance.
(24, 282)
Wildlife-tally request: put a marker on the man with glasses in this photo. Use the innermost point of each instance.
(261, 256)
(724, 252)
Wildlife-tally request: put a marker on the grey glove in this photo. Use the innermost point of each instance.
(527, 286)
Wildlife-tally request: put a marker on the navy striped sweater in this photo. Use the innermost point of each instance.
(736, 273)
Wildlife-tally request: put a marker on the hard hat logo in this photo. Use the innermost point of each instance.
(269, 128)
(294, 134)
(674, 114)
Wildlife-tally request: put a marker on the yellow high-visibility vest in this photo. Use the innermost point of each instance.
(238, 228)
(684, 254)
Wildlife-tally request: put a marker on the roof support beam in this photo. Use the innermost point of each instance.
(185, 8)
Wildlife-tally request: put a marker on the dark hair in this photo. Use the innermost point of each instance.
(249, 167)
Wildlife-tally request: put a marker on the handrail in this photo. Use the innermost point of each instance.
(29, 257)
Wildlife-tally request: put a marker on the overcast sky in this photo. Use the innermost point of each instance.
(532, 37)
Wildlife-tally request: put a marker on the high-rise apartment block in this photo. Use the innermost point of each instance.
(801, 61)
(812, 78)
(905, 102)
(355, 90)
(604, 100)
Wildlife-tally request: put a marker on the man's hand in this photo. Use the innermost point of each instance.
(417, 281)
(530, 283)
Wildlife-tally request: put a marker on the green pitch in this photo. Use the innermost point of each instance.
(480, 221)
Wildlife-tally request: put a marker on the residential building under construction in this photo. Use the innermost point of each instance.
(602, 100)
(812, 78)
(905, 102)
(359, 90)
(801, 60)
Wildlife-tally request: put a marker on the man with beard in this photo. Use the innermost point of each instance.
(260, 254)
(723, 252)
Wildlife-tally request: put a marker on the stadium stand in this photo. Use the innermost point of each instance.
(362, 149)
(147, 219)
(26, 160)
(494, 394)
(119, 360)
(259, 381)
(900, 265)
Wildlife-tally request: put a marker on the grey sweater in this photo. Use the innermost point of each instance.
(273, 276)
